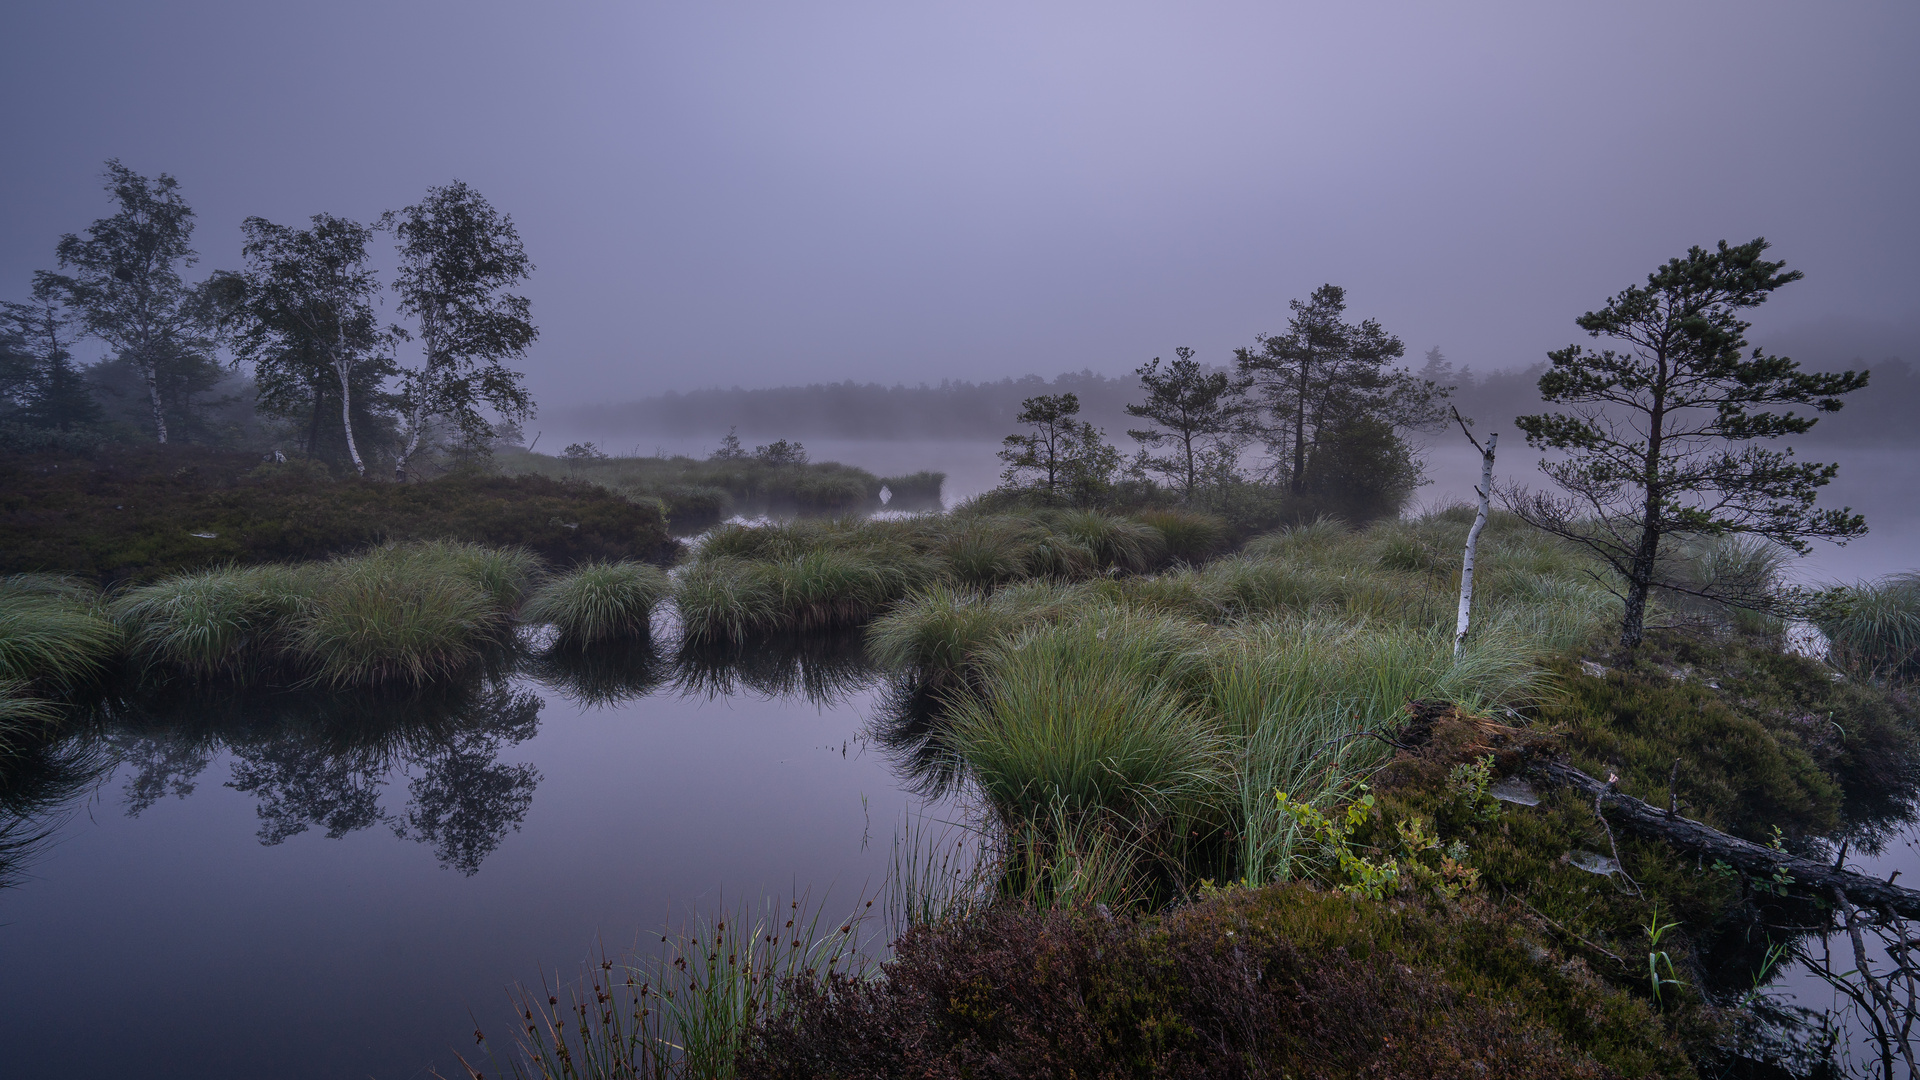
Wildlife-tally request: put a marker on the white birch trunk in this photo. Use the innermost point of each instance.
(1485, 491)
(418, 387)
(343, 368)
(153, 393)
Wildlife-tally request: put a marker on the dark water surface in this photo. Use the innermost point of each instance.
(266, 888)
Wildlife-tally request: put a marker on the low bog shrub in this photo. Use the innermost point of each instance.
(137, 514)
(1284, 981)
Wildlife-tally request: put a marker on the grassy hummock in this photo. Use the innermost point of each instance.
(406, 613)
(599, 602)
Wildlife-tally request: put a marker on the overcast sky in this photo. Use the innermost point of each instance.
(720, 193)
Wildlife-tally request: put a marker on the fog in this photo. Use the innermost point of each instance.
(760, 196)
(757, 195)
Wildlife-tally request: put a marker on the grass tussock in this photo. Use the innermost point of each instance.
(947, 634)
(1185, 700)
(1190, 537)
(807, 574)
(1874, 629)
(599, 602)
(405, 613)
(372, 624)
(54, 634)
(1095, 716)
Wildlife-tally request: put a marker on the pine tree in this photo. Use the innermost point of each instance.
(1660, 435)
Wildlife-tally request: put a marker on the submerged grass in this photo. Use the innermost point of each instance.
(599, 602)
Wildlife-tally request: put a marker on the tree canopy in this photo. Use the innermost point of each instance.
(1326, 378)
(459, 259)
(126, 287)
(1660, 433)
(1199, 416)
(308, 326)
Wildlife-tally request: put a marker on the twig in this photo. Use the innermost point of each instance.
(1602, 794)
(1564, 932)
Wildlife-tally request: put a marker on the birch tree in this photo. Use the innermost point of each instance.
(125, 285)
(308, 315)
(459, 260)
(1485, 492)
(1661, 434)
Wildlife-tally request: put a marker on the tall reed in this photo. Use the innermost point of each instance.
(685, 1011)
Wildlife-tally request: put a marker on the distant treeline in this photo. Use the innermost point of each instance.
(952, 409)
(957, 409)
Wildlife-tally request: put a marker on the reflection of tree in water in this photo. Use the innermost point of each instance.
(462, 800)
(826, 668)
(299, 784)
(315, 759)
(163, 764)
(321, 760)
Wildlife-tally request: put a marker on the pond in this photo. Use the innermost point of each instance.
(305, 884)
(310, 887)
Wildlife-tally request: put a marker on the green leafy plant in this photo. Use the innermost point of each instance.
(1658, 960)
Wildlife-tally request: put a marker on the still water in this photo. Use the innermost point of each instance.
(287, 888)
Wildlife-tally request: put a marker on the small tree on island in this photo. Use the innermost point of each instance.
(730, 448)
(1327, 381)
(1660, 434)
(1200, 416)
(780, 452)
(1038, 459)
(1062, 456)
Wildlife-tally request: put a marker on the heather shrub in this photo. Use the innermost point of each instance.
(1283, 981)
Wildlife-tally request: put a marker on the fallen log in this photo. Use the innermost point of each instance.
(1690, 835)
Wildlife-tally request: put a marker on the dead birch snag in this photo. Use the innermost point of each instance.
(1485, 491)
